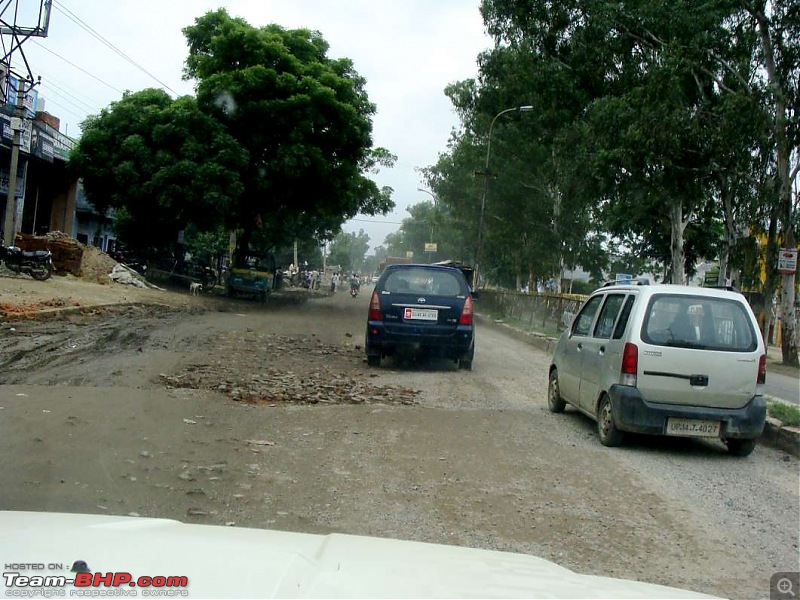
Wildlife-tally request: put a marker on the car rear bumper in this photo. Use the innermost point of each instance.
(632, 412)
(454, 344)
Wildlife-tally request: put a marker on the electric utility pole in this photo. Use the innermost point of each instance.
(17, 34)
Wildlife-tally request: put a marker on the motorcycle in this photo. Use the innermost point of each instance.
(354, 287)
(37, 264)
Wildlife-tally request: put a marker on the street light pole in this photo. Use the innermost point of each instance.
(479, 250)
(435, 208)
(10, 224)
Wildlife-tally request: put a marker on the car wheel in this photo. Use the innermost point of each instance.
(374, 360)
(740, 447)
(555, 402)
(609, 434)
(465, 363)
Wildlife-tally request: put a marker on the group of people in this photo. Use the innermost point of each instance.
(354, 279)
(312, 279)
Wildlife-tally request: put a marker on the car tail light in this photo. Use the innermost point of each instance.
(630, 364)
(466, 312)
(375, 308)
(762, 370)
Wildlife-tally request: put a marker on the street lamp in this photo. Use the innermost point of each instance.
(435, 207)
(478, 256)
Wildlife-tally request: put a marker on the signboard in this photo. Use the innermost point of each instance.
(30, 99)
(20, 181)
(25, 131)
(42, 144)
(431, 247)
(624, 277)
(787, 261)
(410, 254)
(62, 147)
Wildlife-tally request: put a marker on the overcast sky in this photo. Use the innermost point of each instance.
(408, 51)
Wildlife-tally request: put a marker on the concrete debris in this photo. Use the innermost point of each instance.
(247, 378)
(125, 275)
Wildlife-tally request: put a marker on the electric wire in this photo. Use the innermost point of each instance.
(81, 69)
(81, 23)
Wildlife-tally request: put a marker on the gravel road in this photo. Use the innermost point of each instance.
(269, 417)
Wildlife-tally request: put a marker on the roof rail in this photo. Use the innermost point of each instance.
(637, 281)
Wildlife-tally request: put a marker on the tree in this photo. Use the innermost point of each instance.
(304, 119)
(685, 112)
(162, 164)
(348, 251)
(778, 26)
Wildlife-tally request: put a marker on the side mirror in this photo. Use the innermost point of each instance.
(475, 294)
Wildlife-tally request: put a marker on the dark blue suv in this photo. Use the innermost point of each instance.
(421, 308)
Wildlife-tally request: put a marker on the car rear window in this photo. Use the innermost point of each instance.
(423, 281)
(699, 322)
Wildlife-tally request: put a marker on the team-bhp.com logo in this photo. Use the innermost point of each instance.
(85, 583)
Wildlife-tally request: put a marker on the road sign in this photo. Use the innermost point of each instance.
(787, 261)
(410, 254)
(431, 247)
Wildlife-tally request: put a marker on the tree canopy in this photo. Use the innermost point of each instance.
(303, 117)
(161, 164)
(662, 130)
(277, 145)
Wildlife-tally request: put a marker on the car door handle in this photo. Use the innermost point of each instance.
(580, 346)
(602, 350)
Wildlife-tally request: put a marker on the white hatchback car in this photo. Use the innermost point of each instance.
(664, 360)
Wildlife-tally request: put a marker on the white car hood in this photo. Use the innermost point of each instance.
(227, 562)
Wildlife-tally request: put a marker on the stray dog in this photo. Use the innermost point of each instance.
(194, 288)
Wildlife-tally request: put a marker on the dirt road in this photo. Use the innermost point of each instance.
(269, 417)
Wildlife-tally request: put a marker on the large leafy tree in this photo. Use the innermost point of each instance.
(162, 164)
(304, 119)
(348, 251)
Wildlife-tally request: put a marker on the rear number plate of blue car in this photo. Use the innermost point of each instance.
(692, 428)
(421, 314)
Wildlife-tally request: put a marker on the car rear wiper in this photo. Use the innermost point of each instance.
(686, 344)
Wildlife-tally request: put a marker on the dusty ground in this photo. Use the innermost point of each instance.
(207, 411)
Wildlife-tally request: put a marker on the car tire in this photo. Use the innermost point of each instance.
(739, 447)
(465, 364)
(555, 403)
(608, 432)
(374, 360)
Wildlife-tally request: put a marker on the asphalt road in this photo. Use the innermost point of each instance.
(783, 387)
(133, 413)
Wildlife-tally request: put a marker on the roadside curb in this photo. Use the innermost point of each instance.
(775, 435)
(538, 340)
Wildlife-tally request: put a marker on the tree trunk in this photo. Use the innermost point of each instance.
(782, 157)
(728, 234)
(677, 227)
(769, 283)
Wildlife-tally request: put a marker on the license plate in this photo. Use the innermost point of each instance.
(421, 314)
(692, 428)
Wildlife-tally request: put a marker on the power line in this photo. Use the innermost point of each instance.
(81, 69)
(81, 23)
(65, 109)
(49, 79)
(377, 221)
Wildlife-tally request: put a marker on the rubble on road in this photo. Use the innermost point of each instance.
(125, 275)
(246, 367)
(70, 256)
